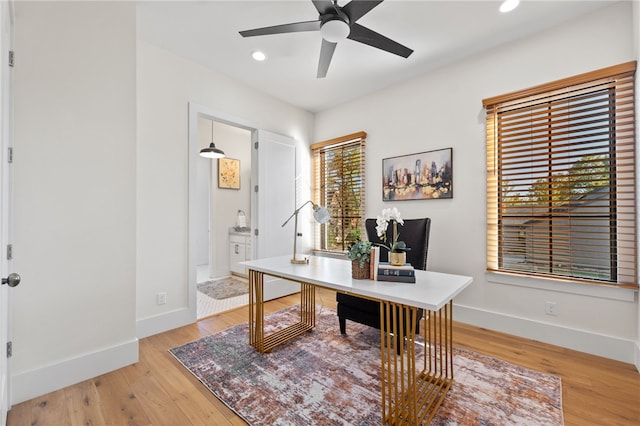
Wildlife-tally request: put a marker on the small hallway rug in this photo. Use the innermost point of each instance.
(224, 288)
(324, 378)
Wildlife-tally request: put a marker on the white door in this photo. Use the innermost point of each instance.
(6, 18)
(273, 169)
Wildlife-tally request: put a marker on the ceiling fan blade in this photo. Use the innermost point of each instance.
(356, 9)
(284, 28)
(323, 6)
(365, 35)
(326, 53)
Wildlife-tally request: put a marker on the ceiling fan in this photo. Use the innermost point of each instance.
(336, 23)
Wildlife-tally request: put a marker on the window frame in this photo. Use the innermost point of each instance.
(587, 83)
(319, 191)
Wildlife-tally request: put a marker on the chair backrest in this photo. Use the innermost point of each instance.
(414, 232)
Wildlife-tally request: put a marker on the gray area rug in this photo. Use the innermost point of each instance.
(224, 288)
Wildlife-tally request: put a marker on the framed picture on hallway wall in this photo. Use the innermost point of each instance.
(422, 176)
(228, 173)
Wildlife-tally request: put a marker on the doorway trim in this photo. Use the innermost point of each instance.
(200, 111)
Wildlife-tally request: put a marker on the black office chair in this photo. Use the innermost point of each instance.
(415, 233)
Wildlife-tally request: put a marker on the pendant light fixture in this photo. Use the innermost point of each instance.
(211, 151)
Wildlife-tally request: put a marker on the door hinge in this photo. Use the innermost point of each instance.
(9, 349)
(255, 232)
(12, 58)
(10, 155)
(255, 188)
(255, 145)
(9, 251)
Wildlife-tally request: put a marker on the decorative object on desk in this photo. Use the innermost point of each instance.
(391, 269)
(374, 262)
(228, 173)
(360, 255)
(320, 214)
(397, 249)
(399, 258)
(403, 273)
(397, 278)
(308, 381)
(422, 176)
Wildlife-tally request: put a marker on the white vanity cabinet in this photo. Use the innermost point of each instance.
(239, 251)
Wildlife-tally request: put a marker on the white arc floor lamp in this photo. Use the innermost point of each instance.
(320, 214)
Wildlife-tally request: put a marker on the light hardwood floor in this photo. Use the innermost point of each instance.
(159, 391)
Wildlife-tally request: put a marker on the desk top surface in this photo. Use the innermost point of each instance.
(432, 290)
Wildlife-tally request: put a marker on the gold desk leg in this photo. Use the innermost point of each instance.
(257, 337)
(412, 394)
(256, 310)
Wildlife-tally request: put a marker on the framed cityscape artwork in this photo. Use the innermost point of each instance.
(423, 176)
(228, 173)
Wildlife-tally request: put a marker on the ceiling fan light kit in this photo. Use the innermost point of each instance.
(335, 30)
(336, 24)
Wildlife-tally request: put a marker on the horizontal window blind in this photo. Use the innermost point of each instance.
(561, 179)
(339, 185)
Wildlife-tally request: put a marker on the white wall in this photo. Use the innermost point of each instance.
(166, 85)
(444, 109)
(74, 193)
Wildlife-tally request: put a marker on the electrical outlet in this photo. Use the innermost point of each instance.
(550, 308)
(161, 298)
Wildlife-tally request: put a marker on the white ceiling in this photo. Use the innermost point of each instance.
(439, 32)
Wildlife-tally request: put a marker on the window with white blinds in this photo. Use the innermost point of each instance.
(339, 185)
(561, 192)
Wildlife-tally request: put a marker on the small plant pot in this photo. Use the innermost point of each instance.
(398, 259)
(359, 272)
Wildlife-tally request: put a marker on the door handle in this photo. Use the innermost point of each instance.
(12, 280)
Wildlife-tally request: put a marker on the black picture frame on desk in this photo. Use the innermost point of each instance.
(422, 176)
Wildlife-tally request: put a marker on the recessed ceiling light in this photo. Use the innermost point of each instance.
(509, 5)
(258, 55)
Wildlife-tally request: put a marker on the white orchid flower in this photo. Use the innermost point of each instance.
(382, 222)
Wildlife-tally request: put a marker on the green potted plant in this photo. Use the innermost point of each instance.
(360, 255)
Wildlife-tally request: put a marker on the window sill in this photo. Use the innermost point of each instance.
(594, 290)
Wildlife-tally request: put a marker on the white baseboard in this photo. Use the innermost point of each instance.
(579, 340)
(168, 321)
(38, 382)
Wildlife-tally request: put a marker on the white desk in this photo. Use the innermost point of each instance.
(411, 391)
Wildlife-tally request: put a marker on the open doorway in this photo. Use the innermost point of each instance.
(223, 200)
(272, 183)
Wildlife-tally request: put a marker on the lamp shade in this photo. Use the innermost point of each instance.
(211, 152)
(321, 214)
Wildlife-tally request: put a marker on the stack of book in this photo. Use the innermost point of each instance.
(402, 273)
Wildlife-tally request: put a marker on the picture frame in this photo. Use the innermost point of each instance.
(421, 176)
(228, 173)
